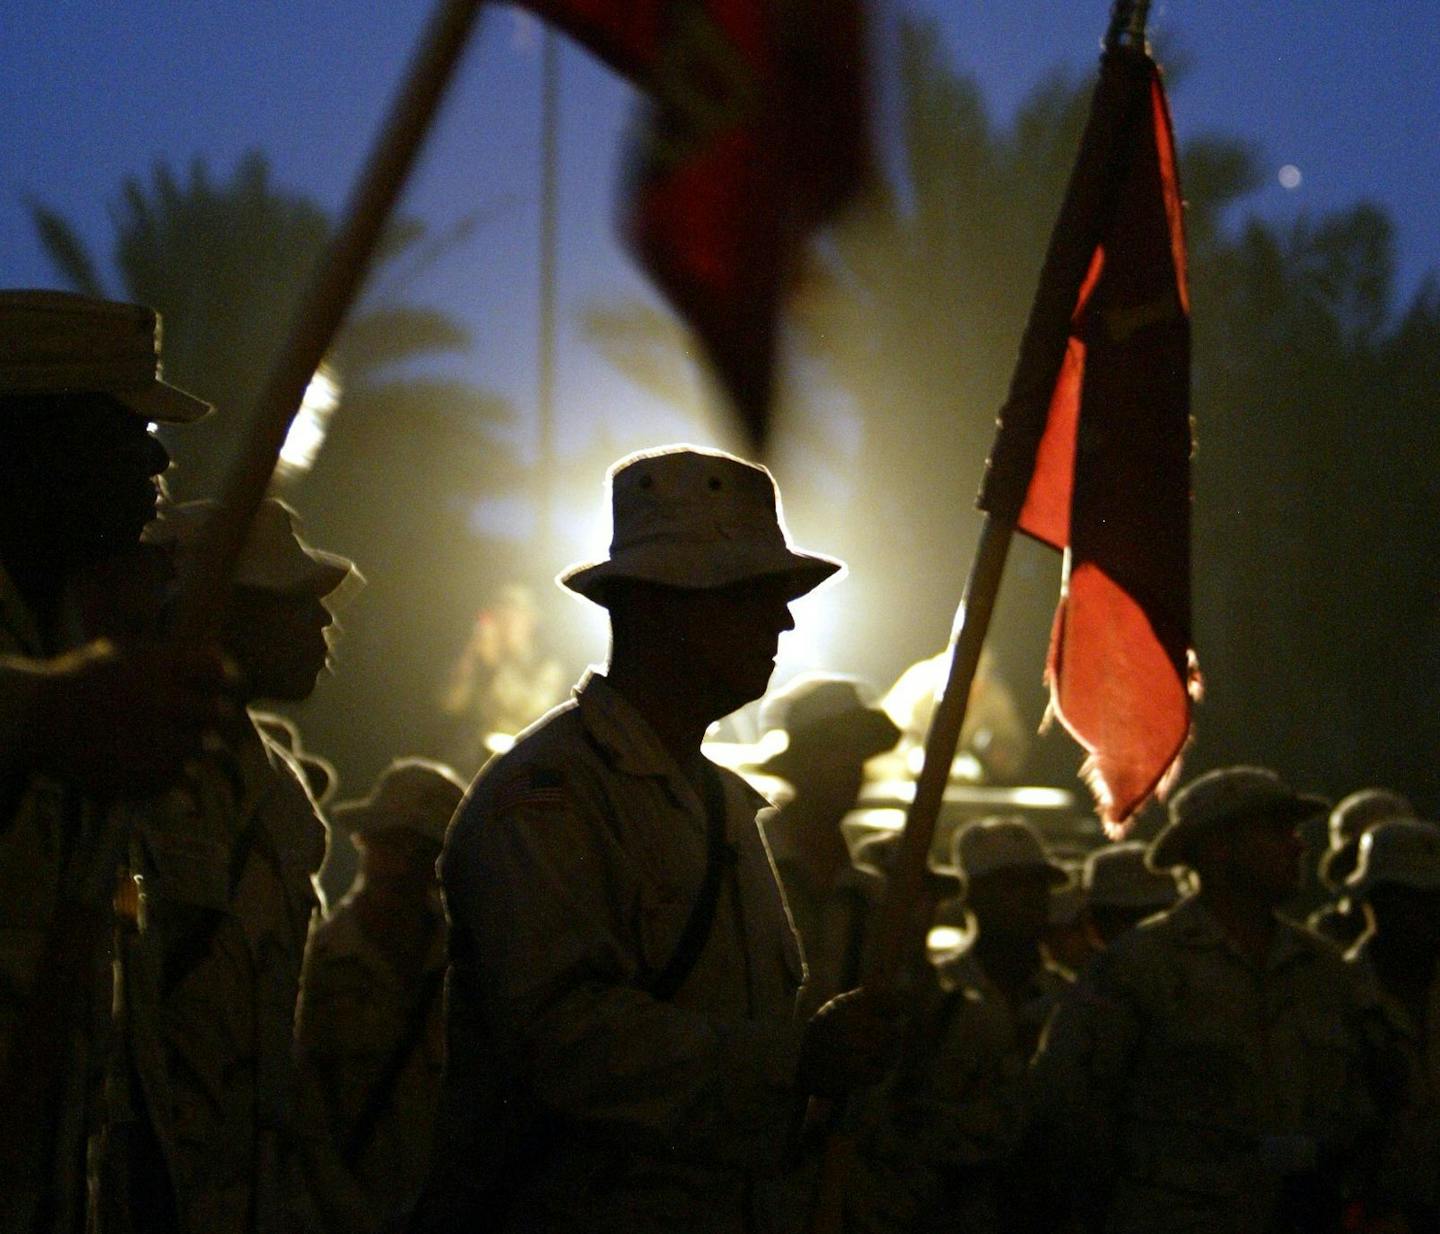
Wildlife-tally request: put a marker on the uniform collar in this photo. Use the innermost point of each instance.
(632, 746)
(620, 731)
(1197, 927)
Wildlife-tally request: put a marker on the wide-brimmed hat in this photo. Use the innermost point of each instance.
(412, 794)
(276, 556)
(1401, 851)
(875, 852)
(1117, 877)
(698, 519)
(823, 711)
(992, 845)
(58, 342)
(1351, 818)
(1223, 798)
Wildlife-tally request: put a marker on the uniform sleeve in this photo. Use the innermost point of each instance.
(544, 907)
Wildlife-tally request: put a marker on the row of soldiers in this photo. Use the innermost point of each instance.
(627, 1036)
(161, 839)
(1144, 1040)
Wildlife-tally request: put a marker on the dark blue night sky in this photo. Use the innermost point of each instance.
(1344, 90)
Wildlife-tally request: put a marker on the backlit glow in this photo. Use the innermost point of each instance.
(307, 430)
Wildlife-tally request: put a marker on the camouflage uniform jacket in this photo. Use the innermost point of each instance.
(356, 1012)
(58, 860)
(1189, 1089)
(569, 874)
(228, 871)
(939, 1133)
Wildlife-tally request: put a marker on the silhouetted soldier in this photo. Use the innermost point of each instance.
(84, 719)
(623, 978)
(1211, 1071)
(370, 1030)
(231, 881)
(1121, 890)
(831, 730)
(1341, 920)
(1397, 880)
(936, 1138)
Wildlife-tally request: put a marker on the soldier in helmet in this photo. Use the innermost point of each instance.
(90, 714)
(230, 874)
(623, 1050)
(370, 1033)
(1211, 1069)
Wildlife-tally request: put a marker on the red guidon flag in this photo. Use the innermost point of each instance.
(1093, 450)
(757, 134)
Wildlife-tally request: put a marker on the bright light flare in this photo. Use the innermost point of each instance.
(307, 430)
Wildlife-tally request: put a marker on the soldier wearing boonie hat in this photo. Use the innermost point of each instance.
(1212, 1069)
(1006, 880)
(1341, 920)
(1121, 890)
(245, 844)
(935, 1139)
(1397, 880)
(615, 925)
(830, 728)
(83, 718)
(369, 1028)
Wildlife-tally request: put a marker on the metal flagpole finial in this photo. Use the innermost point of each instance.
(1127, 25)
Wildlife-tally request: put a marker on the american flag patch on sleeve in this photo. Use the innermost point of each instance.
(529, 789)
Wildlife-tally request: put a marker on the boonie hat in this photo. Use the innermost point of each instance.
(875, 853)
(698, 519)
(1402, 851)
(57, 342)
(1351, 818)
(824, 710)
(1220, 799)
(412, 794)
(1117, 877)
(989, 845)
(276, 557)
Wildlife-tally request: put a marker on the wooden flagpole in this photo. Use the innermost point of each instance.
(205, 576)
(899, 929)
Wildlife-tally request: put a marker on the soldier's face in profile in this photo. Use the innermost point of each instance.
(730, 637)
(279, 641)
(91, 466)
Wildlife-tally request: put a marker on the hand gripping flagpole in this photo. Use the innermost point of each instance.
(1088, 204)
(205, 576)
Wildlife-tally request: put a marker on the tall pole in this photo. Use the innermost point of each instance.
(545, 384)
(899, 931)
(205, 576)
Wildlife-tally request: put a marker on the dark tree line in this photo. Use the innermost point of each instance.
(1316, 535)
(1315, 396)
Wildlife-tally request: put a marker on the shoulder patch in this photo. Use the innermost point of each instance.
(539, 787)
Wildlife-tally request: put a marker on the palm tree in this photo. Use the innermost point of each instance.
(1316, 595)
(405, 459)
